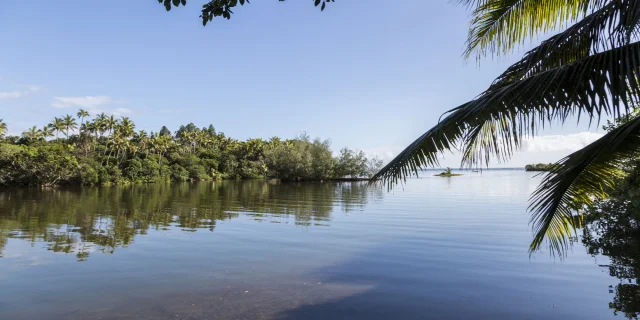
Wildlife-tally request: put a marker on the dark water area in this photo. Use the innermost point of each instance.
(436, 248)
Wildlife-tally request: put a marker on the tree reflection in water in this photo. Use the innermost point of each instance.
(612, 230)
(82, 221)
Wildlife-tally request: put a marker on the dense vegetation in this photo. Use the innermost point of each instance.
(107, 150)
(539, 167)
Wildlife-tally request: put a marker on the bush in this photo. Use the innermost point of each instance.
(88, 175)
(103, 176)
(197, 172)
(43, 165)
(179, 173)
(115, 174)
(300, 160)
(351, 164)
(133, 169)
(150, 171)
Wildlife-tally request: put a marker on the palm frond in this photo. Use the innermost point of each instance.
(602, 84)
(577, 180)
(495, 123)
(613, 25)
(498, 26)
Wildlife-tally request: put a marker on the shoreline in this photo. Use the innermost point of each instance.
(268, 180)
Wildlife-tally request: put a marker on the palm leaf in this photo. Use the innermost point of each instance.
(498, 120)
(577, 180)
(611, 26)
(601, 84)
(498, 26)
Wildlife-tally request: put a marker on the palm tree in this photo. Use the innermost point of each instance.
(69, 124)
(3, 128)
(590, 69)
(81, 115)
(57, 125)
(46, 132)
(101, 123)
(32, 134)
(161, 144)
(126, 127)
(110, 124)
(143, 140)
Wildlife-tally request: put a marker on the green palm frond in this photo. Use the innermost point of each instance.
(577, 180)
(611, 26)
(602, 84)
(498, 26)
(495, 123)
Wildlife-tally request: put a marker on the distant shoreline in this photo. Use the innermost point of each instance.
(477, 169)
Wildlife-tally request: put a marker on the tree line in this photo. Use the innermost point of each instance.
(540, 167)
(108, 150)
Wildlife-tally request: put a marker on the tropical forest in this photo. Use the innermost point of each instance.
(106, 150)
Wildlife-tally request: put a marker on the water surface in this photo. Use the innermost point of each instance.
(436, 248)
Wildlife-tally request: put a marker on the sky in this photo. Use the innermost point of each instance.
(365, 74)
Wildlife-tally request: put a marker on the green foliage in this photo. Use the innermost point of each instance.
(151, 171)
(300, 159)
(351, 164)
(3, 129)
(612, 228)
(107, 151)
(88, 175)
(223, 8)
(133, 169)
(540, 167)
(179, 173)
(44, 165)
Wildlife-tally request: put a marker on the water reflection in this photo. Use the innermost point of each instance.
(83, 221)
(615, 233)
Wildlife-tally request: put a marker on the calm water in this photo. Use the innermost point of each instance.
(438, 248)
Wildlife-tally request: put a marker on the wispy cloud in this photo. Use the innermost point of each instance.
(89, 102)
(122, 111)
(547, 148)
(11, 94)
(18, 93)
(567, 143)
(384, 153)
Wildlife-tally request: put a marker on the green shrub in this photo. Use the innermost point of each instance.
(88, 175)
(179, 173)
(133, 169)
(150, 171)
(198, 172)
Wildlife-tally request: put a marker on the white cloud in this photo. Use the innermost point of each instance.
(11, 94)
(384, 153)
(19, 93)
(122, 111)
(549, 148)
(565, 143)
(89, 102)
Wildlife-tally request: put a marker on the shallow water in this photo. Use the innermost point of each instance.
(437, 248)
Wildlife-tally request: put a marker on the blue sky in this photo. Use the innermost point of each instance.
(366, 74)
